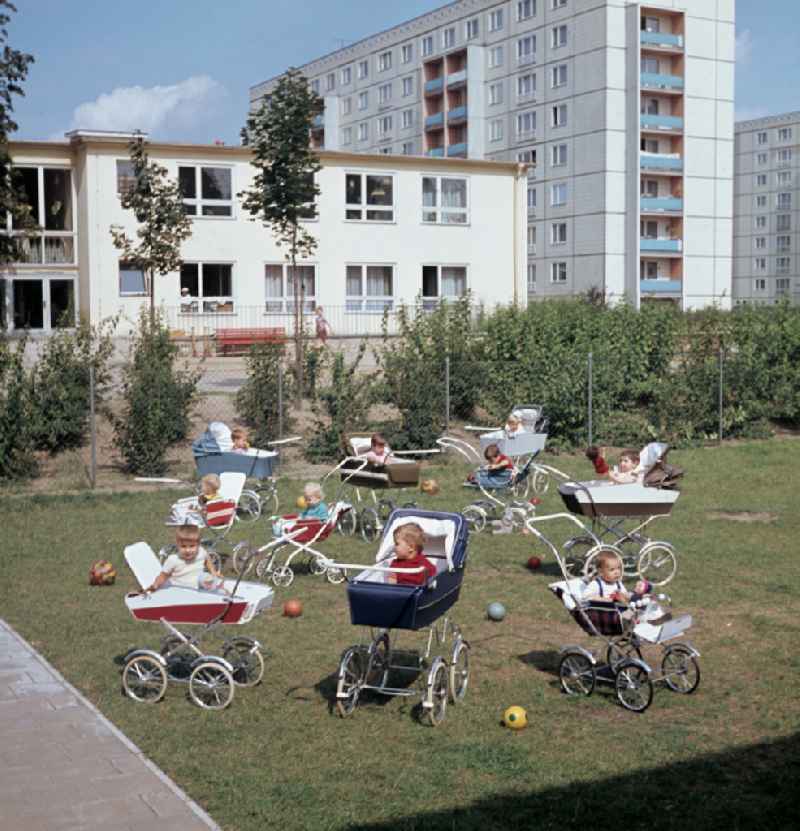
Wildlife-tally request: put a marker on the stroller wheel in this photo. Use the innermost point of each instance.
(540, 482)
(144, 679)
(385, 508)
(352, 670)
(633, 686)
(335, 576)
(520, 490)
(264, 567)
(348, 522)
(475, 518)
(179, 656)
(517, 517)
(680, 670)
(316, 565)
(459, 671)
(283, 576)
(370, 524)
(618, 652)
(577, 674)
(576, 551)
(242, 558)
(248, 508)
(435, 704)
(243, 654)
(657, 563)
(378, 661)
(267, 493)
(211, 686)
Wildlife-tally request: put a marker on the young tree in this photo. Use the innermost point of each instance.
(283, 192)
(157, 204)
(13, 71)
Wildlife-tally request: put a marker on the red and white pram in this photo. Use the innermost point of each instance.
(211, 678)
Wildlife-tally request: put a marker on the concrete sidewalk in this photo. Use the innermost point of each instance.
(65, 767)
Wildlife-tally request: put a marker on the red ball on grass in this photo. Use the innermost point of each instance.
(292, 608)
(534, 563)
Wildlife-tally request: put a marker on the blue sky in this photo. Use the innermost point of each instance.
(181, 69)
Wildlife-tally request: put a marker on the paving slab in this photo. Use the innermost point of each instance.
(65, 767)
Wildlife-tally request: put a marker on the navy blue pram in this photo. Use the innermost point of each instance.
(209, 457)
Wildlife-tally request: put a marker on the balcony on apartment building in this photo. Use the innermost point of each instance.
(660, 286)
(663, 41)
(661, 123)
(459, 149)
(662, 81)
(667, 163)
(435, 121)
(436, 152)
(455, 80)
(665, 246)
(434, 86)
(661, 204)
(457, 115)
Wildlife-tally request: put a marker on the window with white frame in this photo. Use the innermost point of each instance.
(559, 115)
(648, 229)
(784, 155)
(384, 126)
(496, 93)
(496, 20)
(444, 200)
(558, 4)
(442, 282)
(330, 81)
(206, 191)
(427, 46)
(558, 76)
(760, 243)
(558, 157)
(526, 156)
(369, 197)
(558, 233)
(347, 105)
(407, 119)
(761, 222)
(649, 188)
(784, 178)
(408, 148)
(531, 239)
(650, 270)
(783, 222)
(407, 53)
(558, 194)
(471, 29)
(496, 129)
(526, 49)
(526, 123)
(449, 37)
(784, 201)
(362, 70)
(761, 180)
(347, 136)
(760, 284)
(315, 86)
(132, 282)
(384, 61)
(347, 75)
(782, 285)
(531, 278)
(408, 86)
(384, 93)
(279, 287)
(761, 201)
(369, 288)
(363, 100)
(526, 9)
(760, 264)
(526, 86)
(558, 36)
(363, 131)
(783, 242)
(784, 134)
(761, 158)
(762, 137)
(495, 57)
(558, 272)
(531, 200)
(208, 285)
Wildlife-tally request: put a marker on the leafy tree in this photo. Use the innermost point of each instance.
(13, 71)
(157, 204)
(283, 192)
(17, 459)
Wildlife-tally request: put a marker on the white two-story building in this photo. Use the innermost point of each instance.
(389, 230)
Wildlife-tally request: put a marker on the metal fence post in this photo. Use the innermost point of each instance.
(280, 400)
(92, 430)
(447, 391)
(589, 382)
(721, 364)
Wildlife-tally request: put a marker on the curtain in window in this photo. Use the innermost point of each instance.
(454, 281)
(273, 287)
(215, 182)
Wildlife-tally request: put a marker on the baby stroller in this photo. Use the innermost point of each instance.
(357, 474)
(213, 453)
(624, 632)
(504, 501)
(442, 667)
(620, 513)
(212, 679)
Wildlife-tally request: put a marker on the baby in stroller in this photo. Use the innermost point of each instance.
(497, 471)
(315, 509)
(409, 540)
(192, 509)
(190, 565)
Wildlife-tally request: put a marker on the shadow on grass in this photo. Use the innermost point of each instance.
(752, 787)
(545, 660)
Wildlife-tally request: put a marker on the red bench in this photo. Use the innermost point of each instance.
(243, 338)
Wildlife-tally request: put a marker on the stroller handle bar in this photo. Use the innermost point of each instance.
(475, 429)
(460, 446)
(366, 567)
(289, 440)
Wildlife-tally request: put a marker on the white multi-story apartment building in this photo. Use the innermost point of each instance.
(624, 108)
(766, 242)
(389, 230)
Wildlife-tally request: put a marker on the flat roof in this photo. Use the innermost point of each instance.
(767, 121)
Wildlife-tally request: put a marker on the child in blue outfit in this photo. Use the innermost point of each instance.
(315, 509)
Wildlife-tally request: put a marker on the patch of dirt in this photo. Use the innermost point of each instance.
(744, 516)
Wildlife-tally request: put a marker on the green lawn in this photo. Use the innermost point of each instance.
(725, 757)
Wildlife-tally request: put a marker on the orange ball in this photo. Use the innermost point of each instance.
(102, 573)
(292, 608)
(429, 486)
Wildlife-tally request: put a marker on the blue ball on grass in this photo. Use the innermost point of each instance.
(496, 611)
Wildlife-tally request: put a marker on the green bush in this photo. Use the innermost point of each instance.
(60, 384)
(17, 458)
(259, 400)
(157, 399)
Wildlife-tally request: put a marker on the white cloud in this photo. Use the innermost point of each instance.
(744, 47)
(161, 111)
